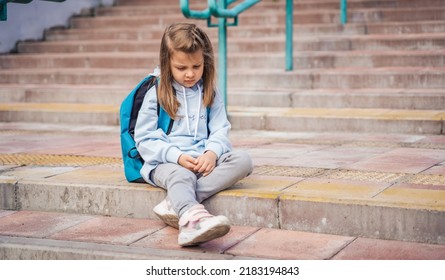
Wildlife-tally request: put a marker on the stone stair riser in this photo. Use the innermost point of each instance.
(260, 210)
(380, 98)
(328, 44)
(373, 222)
(340, 99)
(363, 125)
(246, 122)
(130, 33)
(261, 80)
(300, 44)
(298, 5)
(416, 101)
(268, 6)
(110, 96)
(60, 117)
(328, 16)
(302, 61)
(257, 31)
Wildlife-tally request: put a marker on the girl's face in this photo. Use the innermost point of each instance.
(187, 68)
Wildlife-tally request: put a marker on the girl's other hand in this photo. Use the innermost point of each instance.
(188, 162)
(206, 163)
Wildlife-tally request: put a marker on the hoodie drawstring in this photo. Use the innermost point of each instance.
(187, 114)
(199, 112)
(186, 110)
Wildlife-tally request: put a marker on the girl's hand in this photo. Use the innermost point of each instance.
(188, 162)
(206, 163)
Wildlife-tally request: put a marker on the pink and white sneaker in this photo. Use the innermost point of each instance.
(197, 226)
(165, 212)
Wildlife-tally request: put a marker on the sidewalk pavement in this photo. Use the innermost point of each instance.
(75, 229)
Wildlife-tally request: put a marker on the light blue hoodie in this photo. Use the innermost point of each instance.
(189, 132)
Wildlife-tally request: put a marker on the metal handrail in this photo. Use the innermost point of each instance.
(219, 9)
(185, 7)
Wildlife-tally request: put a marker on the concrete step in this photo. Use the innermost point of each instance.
(365, 120)
(63, 236)
(385, 186)
(354, 77)
(68, 113)
(307, 29)
(242, 118)
(302, 60)
(255, 17)
(257, 31)
(166, 8)
(261, 31)
(415, 99)
(273, 44)
(13, 246)
(131, 33)
(433, 41)
(38, 93)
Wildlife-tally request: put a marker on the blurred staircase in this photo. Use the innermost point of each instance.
(382, 72)
(350, 142)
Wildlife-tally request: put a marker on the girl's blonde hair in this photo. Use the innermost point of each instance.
(187, 38)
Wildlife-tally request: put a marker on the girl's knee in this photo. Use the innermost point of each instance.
(182, 175)
(244, 161)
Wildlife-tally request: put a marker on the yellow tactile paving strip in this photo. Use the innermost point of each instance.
(263, 170)
(368, 176)
(428, 179)
(351, 175)
(287, 171)
(56, 160)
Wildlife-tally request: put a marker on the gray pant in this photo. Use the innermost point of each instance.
(185, 188)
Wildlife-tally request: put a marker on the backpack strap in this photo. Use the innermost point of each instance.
(164, 120)
(138, 99)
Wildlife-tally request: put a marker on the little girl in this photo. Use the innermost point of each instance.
(195, 160)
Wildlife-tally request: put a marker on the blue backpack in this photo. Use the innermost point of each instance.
(129, 111)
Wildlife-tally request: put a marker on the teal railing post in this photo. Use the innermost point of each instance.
(3, 11)
(204, 14)
(343, 11)
(219, 9)
(222, 52)
(289, 35)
